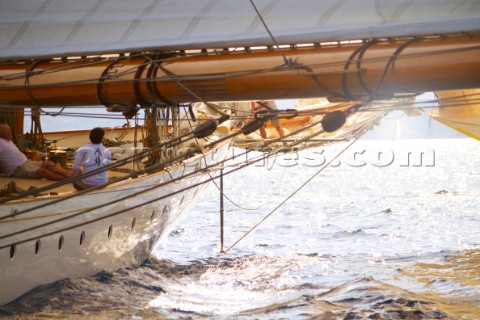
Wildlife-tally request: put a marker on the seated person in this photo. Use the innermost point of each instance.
(16, 165)
(92, 156)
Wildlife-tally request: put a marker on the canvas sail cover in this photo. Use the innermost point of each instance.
(46, 28)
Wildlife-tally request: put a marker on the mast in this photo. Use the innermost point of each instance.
(374, 69)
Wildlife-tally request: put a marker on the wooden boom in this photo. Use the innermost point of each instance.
(351, 71)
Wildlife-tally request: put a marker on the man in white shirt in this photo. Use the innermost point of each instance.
(13, 163)
(92, 156)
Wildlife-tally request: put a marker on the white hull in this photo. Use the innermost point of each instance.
(125, 238)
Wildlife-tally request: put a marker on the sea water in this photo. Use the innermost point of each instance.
(388, 230)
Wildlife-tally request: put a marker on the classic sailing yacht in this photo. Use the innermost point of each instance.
(162, 56)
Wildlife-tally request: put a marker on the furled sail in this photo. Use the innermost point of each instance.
(374, 69)
(460, 110)
(47, 28)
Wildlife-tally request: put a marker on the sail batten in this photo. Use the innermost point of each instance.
(34, 29)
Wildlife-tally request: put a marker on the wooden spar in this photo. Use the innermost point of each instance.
(350, 71)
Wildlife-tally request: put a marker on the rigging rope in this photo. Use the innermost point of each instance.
(287, 147)
(193, 94)
(134, 194)
(143, 154)
(176, 180)
(149, 169)
(114, 165)
(114, 202)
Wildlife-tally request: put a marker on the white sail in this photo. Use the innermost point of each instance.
(46, 28)
(460, 110)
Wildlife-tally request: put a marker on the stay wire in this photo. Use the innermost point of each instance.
(234, 203)
(269, 155)
(289, 146)
(287, 62)
(290, 196)
(215, 183)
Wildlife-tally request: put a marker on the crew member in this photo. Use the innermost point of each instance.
(268, 105)
(15, 164)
